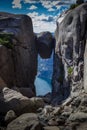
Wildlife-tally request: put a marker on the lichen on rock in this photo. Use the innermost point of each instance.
(5, 39)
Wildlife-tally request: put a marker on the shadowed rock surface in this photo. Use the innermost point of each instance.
(28, 121)
(18, 61)
(69, 54)
(45, 44)
(10, 116)
(85, 66)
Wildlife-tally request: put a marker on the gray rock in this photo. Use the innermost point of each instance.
(52, 122)
(82, 126)
(85, 68)
(45, 44)
(84, 101)
(56, 111)
(13, 100)
(10, 115)
(67, 111)
(28, 121)
(79, 116)
(18, 64)
(51, 128)
(71, 126)
(76, 102)
(28, 92)
(69, 54)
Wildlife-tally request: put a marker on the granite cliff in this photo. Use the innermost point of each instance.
(69, 59)
(18, 62)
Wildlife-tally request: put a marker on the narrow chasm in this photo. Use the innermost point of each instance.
(45, 44)
(43, 79)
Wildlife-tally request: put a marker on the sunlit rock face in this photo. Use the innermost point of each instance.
(69, 54)
(19, 61)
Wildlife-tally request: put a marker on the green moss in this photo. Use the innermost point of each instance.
(73, 6)
(70, 71)
(5, 40)
(78, 2)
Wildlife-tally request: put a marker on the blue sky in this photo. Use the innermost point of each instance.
(43, 12)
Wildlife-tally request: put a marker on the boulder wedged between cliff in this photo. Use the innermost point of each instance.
(68, 103)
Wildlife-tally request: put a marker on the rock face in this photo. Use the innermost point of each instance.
(45, 44)
(6, 67)
(85, 67)
(69, 54)
(18, 61)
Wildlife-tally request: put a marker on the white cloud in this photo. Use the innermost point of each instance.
(16, 4)
(48, 4)
(34, 14)
(36, 17)
(54, 3)
(73, 1)
(58, 7)
(42, 22)
(51, 9)
(32, 7)
(30, 1)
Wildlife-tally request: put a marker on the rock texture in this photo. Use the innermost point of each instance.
(51, 128)
(85, 67)
(45, 43)
(13, 100)
(69, 54)
(6, 68)
(71, 115)
(28, 121)
(10, 115)
(18, 63)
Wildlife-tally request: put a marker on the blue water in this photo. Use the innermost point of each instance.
(44, 76)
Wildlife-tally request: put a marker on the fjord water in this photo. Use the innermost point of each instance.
(44, 76)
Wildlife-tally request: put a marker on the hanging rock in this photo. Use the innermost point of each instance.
(45, 44)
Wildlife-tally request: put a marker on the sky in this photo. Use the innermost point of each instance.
(44, 13)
